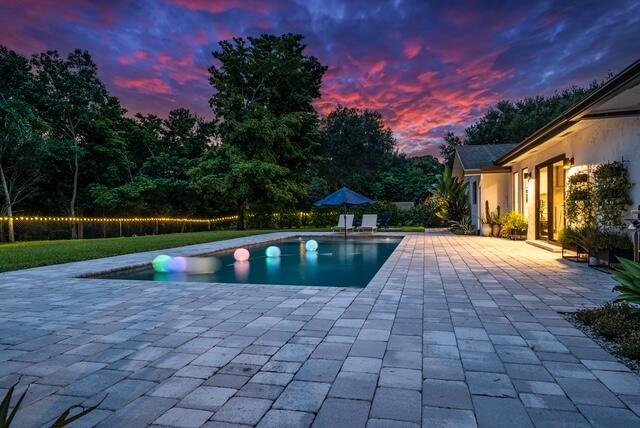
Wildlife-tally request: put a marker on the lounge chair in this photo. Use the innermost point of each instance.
(341, 223)
(369, 222)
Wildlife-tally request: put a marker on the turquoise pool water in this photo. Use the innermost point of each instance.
(337, 263)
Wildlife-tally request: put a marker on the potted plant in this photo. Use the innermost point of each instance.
(496, 224)
(514, 226)
(487, 222)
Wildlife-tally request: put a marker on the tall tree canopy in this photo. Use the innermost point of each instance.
(356, 144)
(264, 89)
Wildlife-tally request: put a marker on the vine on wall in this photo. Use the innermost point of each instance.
(580, 205)
(612, 195)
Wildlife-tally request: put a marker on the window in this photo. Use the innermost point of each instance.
(525, 192)
(516, 192)
(475, 192)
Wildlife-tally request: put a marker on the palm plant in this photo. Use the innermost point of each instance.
(629, 281)
(453, 192)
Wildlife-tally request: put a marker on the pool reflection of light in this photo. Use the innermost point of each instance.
(241, 270)
(273, 263)
(170, 276)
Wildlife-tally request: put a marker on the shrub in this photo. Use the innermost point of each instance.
(587, 316)
(514, 223)
(613, 326)
(630, 346)
(463, 227)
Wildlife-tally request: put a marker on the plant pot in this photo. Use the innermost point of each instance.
(495, 230)
(486, 229)
(518, 236)
(599, 258)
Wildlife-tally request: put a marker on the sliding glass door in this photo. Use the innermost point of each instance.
(550, 184)
(542, 198)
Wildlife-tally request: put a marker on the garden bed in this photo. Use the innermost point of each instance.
(615, 327)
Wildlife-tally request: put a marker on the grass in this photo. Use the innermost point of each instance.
(25, 255)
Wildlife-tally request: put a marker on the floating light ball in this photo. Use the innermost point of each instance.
(161, 263)
(272, 251)
(178, 264)
(203, 265)
(311, 245)
(241, 255)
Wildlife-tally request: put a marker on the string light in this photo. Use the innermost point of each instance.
(120, 219)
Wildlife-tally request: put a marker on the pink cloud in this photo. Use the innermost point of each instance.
(144, 85)
(412, 48)
(133, 58)
(220, 6)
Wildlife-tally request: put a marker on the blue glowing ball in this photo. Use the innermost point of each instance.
(161, 263)
(272, 251)
(178, 264)
(311, 245)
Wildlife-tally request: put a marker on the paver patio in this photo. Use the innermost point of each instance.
(452, 331)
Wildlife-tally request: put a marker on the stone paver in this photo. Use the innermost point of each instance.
(452, 331)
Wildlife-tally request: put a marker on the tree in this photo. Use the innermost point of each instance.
(452, 193)
(448, 148)
(227, 176)
(71, 96)
(356, 145)
(265, 87)
(21, 132)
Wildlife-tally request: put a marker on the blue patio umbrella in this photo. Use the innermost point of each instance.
(344, 198)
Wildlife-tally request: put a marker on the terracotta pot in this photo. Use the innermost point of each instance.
(486, 229)
(495, 230)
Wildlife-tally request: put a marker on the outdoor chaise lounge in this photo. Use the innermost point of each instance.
(341, 222)
(369, 222)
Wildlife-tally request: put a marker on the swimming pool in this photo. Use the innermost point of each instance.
(336, 263)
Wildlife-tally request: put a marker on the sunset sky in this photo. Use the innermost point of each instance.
(428, 66)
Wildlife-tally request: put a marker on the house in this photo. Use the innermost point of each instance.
(475, 165)
(530, 176)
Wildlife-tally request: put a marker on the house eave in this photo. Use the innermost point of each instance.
(579, 112)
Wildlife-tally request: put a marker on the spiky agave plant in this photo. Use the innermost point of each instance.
(6, 417)
(629, 281)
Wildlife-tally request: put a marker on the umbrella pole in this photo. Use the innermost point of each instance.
(345, 222)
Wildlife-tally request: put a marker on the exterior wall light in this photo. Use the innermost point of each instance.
(568, 163)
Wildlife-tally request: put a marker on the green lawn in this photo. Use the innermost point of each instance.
(24, 255)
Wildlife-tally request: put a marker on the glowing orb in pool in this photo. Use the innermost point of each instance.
(311, 245)
(272, 251)
(178, 264)
(161, 263)
(241, 255)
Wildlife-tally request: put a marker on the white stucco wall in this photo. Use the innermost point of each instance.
(599, 141)
(495, 188)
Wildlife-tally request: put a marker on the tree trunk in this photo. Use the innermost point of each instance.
(241, 215)
(74, 193)
(7, 197)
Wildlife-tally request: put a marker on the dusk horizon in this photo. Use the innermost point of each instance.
(427, 68)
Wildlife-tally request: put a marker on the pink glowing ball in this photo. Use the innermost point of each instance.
(241, 255)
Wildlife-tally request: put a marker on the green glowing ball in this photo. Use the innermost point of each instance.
(161, 263)
(272, 251)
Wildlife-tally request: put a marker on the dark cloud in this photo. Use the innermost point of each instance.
(427, 66)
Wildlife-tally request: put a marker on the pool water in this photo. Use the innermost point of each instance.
(337, 263)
